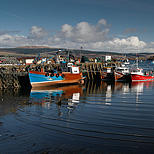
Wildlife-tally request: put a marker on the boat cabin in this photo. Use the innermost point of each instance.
(123, 70)
(107, 69)
(69, 67)
(111, 65)
(138, 71)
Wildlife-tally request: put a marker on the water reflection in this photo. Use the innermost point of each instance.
(64, 97)
(11, 99)
(70, 96)
(139, 88)
(114, 116)
(57, 93)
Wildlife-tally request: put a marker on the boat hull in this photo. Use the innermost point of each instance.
(44, 79)
(107, 76)
(135, 77)
(122, 77)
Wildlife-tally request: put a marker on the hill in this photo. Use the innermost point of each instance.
(29, 51)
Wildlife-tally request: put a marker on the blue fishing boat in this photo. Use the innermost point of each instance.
(66, 74)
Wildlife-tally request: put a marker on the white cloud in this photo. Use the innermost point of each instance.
(13, 41)
(38, 32)
(90, 37)
(130, 44)
(83, 32)
(102, 22)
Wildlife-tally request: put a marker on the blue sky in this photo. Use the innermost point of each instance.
(98, 25)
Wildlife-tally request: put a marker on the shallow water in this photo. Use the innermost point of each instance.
(98, 117)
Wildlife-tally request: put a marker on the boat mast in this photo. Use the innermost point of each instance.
(137, 60)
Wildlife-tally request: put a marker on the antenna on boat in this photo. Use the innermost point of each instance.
(80, 54)
(137, 58)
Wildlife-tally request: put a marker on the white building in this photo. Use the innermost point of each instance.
(106, 58)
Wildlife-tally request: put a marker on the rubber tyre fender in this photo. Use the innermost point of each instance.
(47, 74)
(15, 84)
(51, 75)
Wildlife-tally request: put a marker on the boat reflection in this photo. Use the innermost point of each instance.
(109, 89)
(68, 97)
(146, 84)
(113, 88)
(138, 88)
(125, 87)
(62, 95)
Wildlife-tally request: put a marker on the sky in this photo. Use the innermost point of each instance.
(125, 26)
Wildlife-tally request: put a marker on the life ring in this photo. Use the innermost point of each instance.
(47, 74)
(62, 75)
(51, 75)
(57, 75)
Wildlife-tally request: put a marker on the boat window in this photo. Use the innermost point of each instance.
(104, 69)
(69, 65)
(109, 70)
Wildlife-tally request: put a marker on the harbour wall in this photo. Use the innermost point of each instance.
(16, 76)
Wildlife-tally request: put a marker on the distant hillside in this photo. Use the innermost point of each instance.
(33, 47)
(34, 50)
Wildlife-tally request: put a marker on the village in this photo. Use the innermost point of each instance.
(16, 71)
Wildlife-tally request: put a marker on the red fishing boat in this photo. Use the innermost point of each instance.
(137, 74)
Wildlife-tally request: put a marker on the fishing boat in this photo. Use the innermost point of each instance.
(67, 73)
(122, 74)
(107, 72)
(137, 74)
